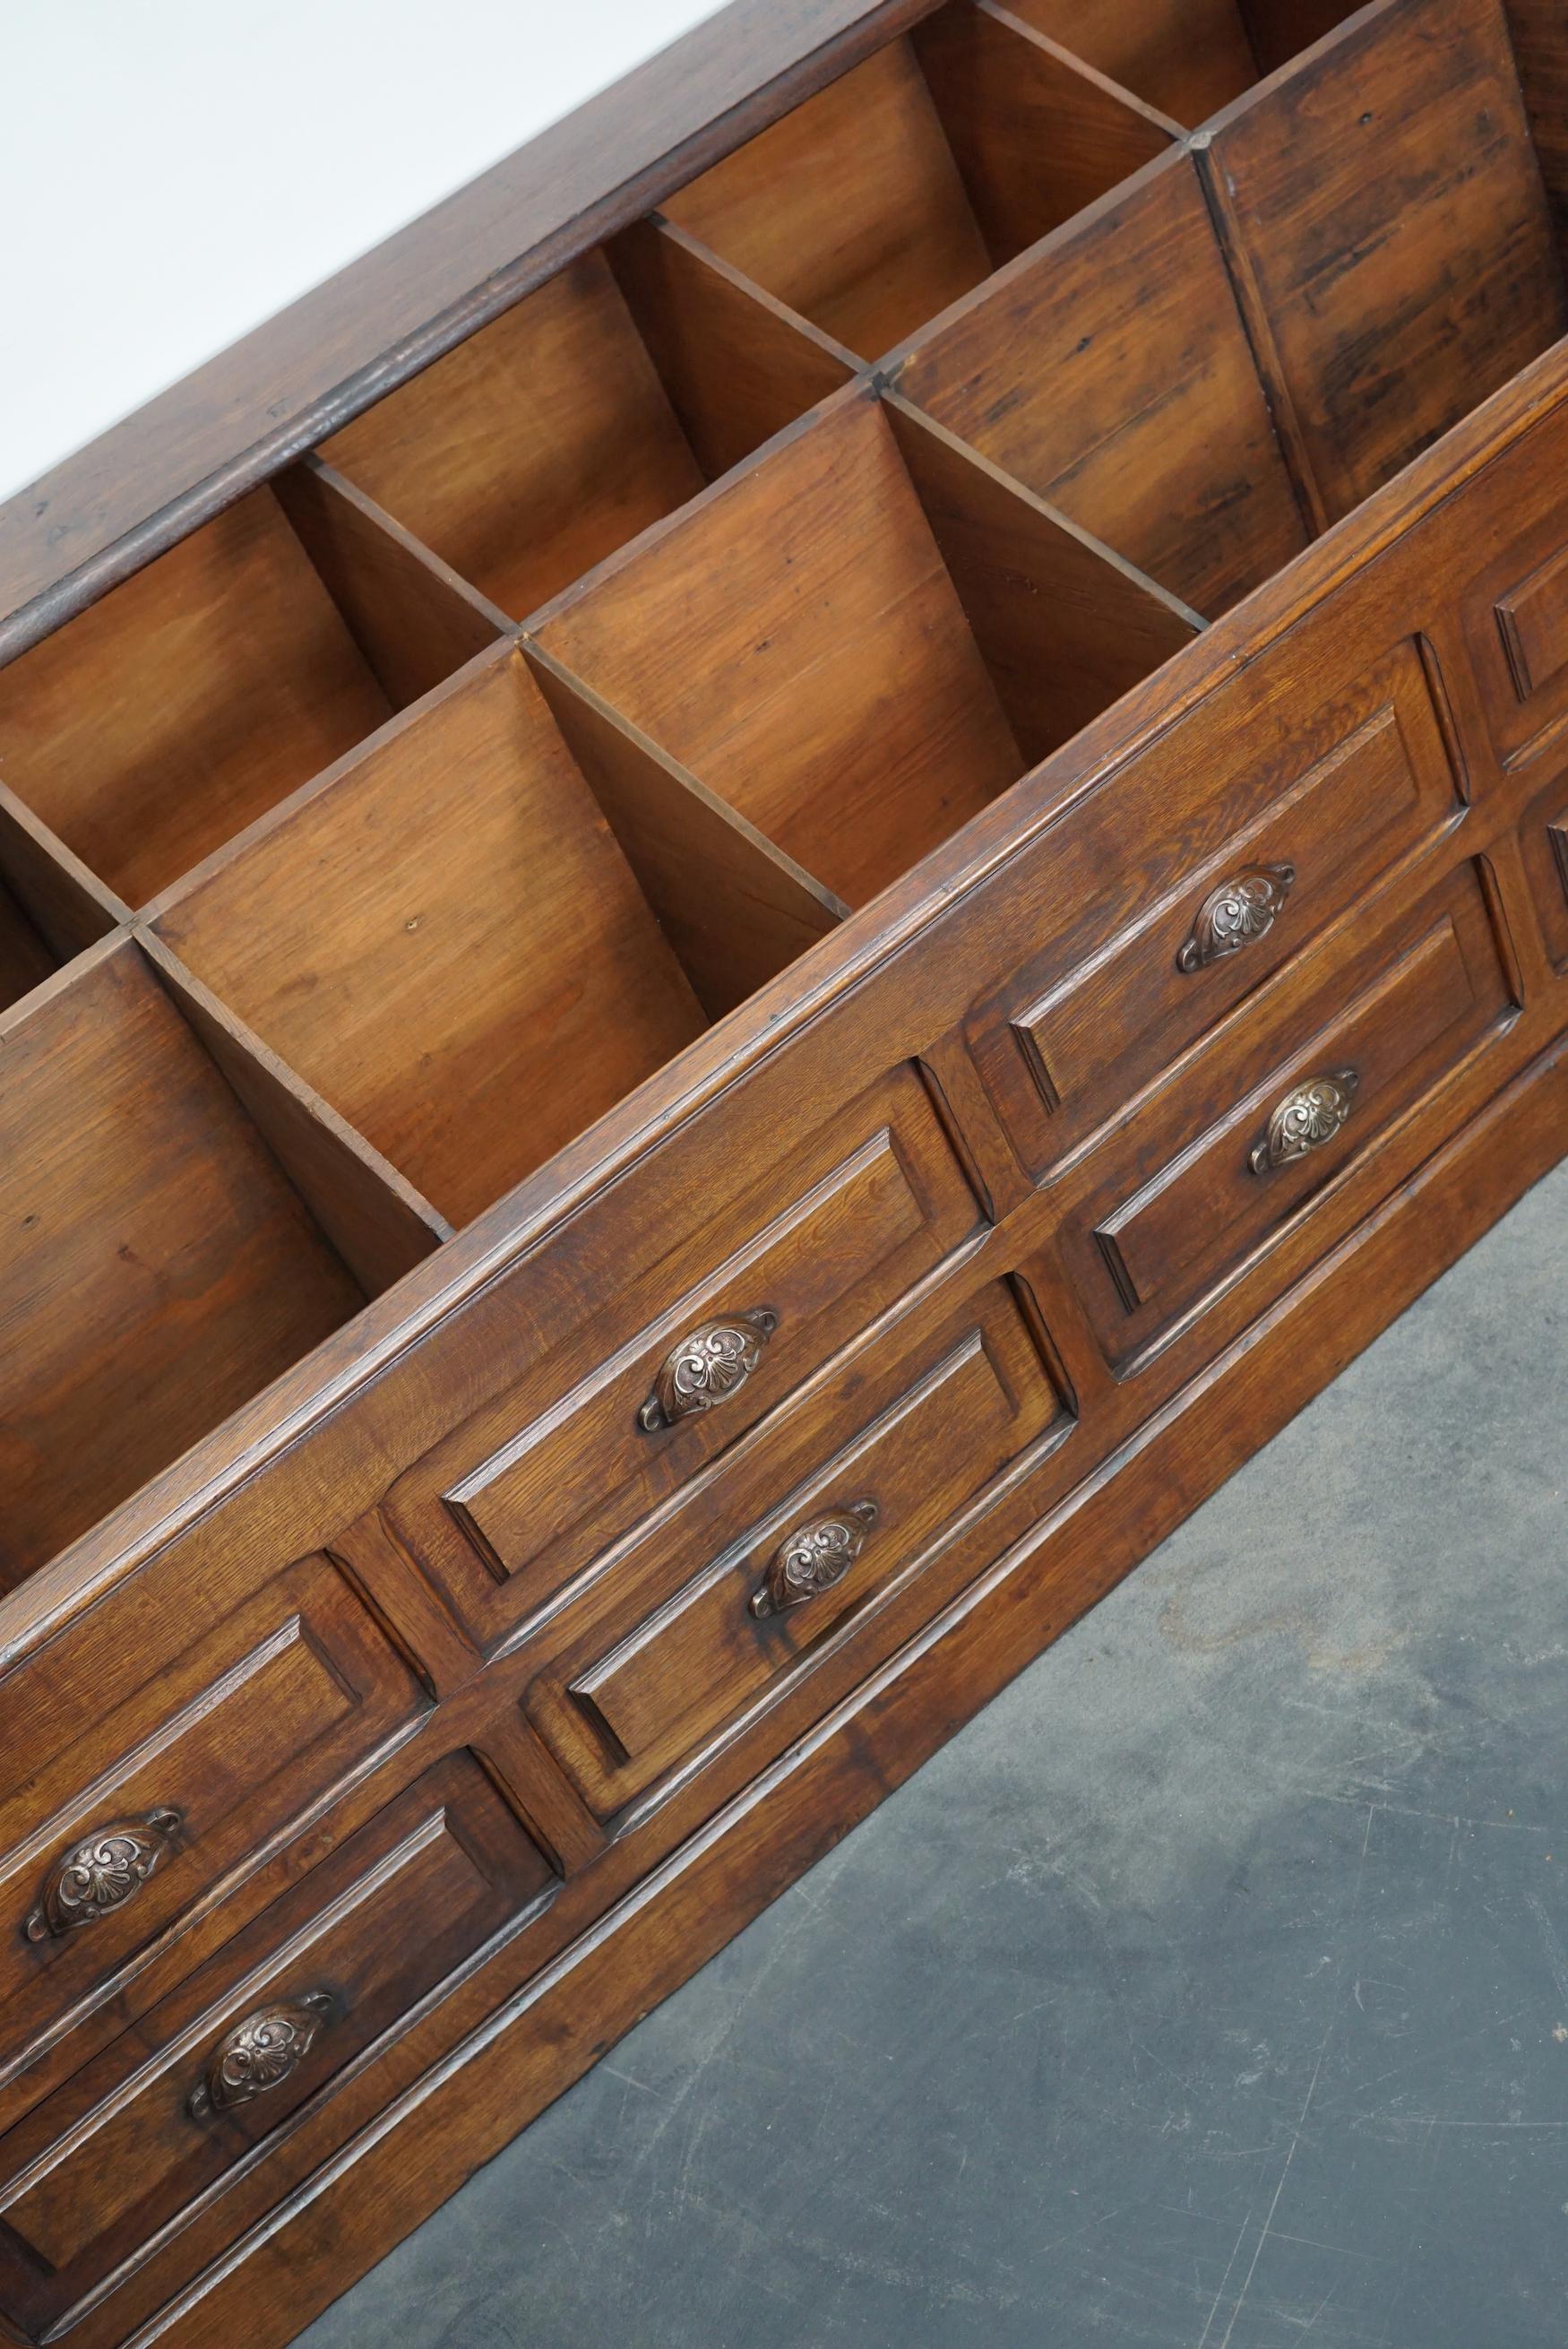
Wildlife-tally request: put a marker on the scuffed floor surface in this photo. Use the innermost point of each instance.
(1209, 1991)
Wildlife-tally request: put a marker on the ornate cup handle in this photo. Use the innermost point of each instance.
(259, 2053)
(102, 1873)
(813, 1557)
(1243, 908)
(711, 1362)
(1310, 1114)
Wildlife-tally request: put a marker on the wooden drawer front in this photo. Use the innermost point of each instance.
(1192, 1192)
(1298, 824)
(1543, 837)
(1506, 536)
(214, 1751)
(838, 1234)
(215, 2073)
(667, 1655)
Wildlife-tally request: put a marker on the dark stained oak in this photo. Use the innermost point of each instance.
(1109, 371)
(1387, 211)
(892, 462)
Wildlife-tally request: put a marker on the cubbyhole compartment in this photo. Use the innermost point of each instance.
(1392, 235)
(900, 186)
(167, 1250)
(445, 938)
(25, 954)
(595, 406)
(862, 641)
(1109, 370)
(1188, 58)
(163, 718)
(50, 908)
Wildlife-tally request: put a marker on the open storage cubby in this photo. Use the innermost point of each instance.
(1189, 58)
(898, 188)
(180, 1225)
(51, 908)
(162, 719)
(1391, 237)
(1233, 350)
(473, 766)
(596, 405)
(444, 938)
(1110, 369)
(862, 641)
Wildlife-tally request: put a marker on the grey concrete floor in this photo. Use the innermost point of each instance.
(1209, 1991)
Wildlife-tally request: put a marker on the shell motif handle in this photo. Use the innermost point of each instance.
(259, 2055)
(102, 1873)
(707, 1367)
(813, 1557)
(1309, 1115)
(1244, 907)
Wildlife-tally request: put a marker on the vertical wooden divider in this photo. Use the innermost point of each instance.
(69, 906)
(1064, 625)
(737, 365)
(1391, 240)
(1291, 432)
(412, 617)
(1108, 370)
(734, 908)
(1539, 32)
(1035, 133)
(1280, 30)
(1189, 58)
(379, 1224)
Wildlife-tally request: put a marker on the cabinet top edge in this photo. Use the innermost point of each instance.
(148, 480)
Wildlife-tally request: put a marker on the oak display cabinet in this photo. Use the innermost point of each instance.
(744, 906)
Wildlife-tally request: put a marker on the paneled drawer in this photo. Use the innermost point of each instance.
(214, 2077)
(1300, 1083)
(799, 1535)
(1544, 843)
(175, 1758)
(1505, 536)
(1229, 845)
(772, 1284)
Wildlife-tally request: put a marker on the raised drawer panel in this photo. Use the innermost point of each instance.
(1249, 844)
(543, 1485)
(1230, 1151)
(1532, 620)
(214, 2076)
(1543, 839)
(198, 1756)
(700, 1625)
(1504, 543)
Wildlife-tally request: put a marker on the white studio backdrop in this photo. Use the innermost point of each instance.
(173, 172)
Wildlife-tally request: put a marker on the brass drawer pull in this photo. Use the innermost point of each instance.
(1241, 909)
(102, 1873)
(707, 1367)
(813, 1557)
(1309, 1115)
(259, 2053)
